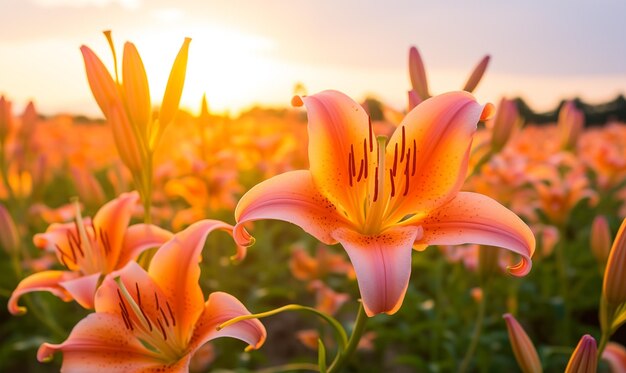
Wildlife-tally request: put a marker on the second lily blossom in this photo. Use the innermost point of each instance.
(379, 199)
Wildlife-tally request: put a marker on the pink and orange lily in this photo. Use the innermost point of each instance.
(156, 320)
(89, 250)
(379, 199)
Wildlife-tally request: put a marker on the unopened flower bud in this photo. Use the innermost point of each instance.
(523, 348)
(584, 358)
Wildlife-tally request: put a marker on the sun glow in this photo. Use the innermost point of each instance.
(229, 66)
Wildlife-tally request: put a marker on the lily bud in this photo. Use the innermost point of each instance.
(102, 86)
(29, 121)
(523, 348)
(477, 74)
(600, 239)
(584, 358)
(614, 286)
(505, 121)
(136, 89)
(570, 123)
(174, 88)
(6, 119)
(9, 238)
(417, 74)
(125, 140)
(414, 99)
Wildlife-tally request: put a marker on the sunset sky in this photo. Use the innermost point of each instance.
(254, 52)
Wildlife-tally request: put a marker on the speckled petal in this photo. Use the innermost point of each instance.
(428, 153)
(291, 197)
(42, 281)
(382, 264)
(101, 343)
(219, 308)
(475, 218)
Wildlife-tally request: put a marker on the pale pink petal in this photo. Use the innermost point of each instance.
(111, 221)
(475, 218)
(382, 264)
(291, 197)
(42, 281)
(175, 269)
(219, 308)
(140, 237)
(83, 289)
(101, 343)
(342, 149)
(427, 156)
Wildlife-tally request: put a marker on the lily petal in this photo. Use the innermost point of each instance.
(382, 264)
(41, 281)
(342, 149)
(174, 88)
(219, 308)
(417, 73)
(140, 237)
(111, 221)
(477, 74)
(82, 289)
(175, 269)
(101, 343)
(428, 153)
(475, 218)
(291, 197)
(55, 239)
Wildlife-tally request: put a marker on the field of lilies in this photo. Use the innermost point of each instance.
(330, 236)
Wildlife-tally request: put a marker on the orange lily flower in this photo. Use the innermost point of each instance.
(155, 320)
(90, 250)
(379, 200)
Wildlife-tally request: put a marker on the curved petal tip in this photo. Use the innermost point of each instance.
(522, 268)
(488, 112)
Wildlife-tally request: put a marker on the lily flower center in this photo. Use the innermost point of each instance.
(386, 183)
(88, 244)
(154, 326)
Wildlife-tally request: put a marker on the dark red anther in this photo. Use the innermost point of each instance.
(350, 168)
(406, 173)
(353, 160)
(360, 171)
(376, 185)
(167, 323)
(395, 159)
(403, 141)
(140, 307)
(77, 233)
(365, 156)
(371, 134)
(393, 187)
(162, 329)
(414, 158)
(156, 300)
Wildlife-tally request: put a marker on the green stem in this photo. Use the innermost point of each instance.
(480, 318)
(340, 333)
(353, 343)
(603, 341)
